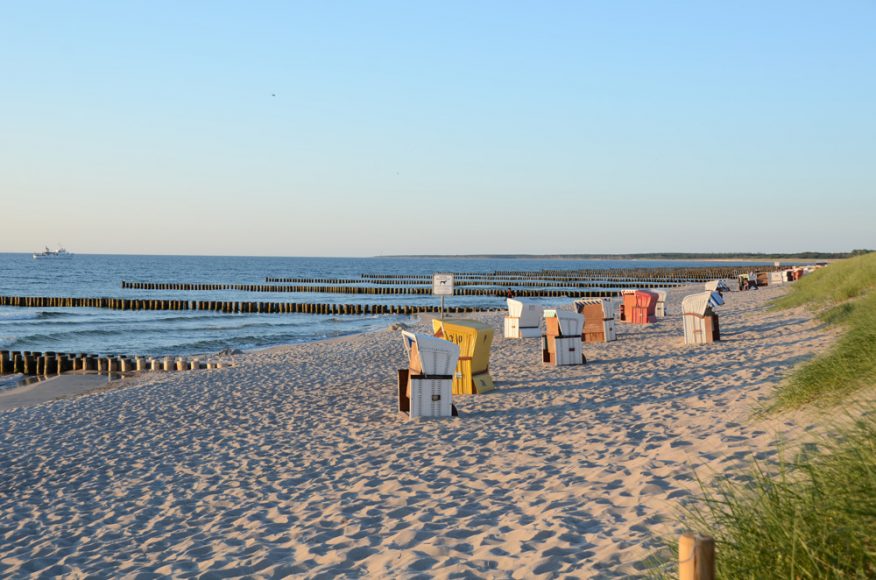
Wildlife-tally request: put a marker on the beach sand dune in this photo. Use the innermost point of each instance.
(295, 462)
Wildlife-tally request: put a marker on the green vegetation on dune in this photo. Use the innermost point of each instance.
(847, 367)
(845, 294)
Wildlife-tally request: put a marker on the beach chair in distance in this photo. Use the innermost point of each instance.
(523, 320)
(699, 319)
(719, 286)
(660, 306)
(474, 338)
(425, 387)
(562, 339)
(628, 304)
(643, 311)
(598, 316)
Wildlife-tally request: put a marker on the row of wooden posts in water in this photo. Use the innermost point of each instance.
(504, 284)
(231, 307)
(692, 274)
(370, 290)
(52, 363)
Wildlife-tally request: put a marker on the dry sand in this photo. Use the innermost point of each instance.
(295, 462)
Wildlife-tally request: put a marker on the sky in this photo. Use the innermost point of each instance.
(328, 128)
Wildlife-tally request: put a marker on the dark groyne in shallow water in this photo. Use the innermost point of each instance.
(671, 275)
(373, 290)
(401, 287)
(44, 364)
(233, 307)
(458, 283)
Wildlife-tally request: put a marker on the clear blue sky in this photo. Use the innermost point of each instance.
(437, 127)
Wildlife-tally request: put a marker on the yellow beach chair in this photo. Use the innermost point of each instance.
(474, 340)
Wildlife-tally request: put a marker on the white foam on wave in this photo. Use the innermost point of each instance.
(12, 315)
(10, 381)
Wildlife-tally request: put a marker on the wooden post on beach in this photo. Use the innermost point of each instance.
(61, 362)
(168, 364)
(696, 557)
(29, 367)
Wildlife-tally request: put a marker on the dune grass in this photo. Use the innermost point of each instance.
(845, 294)
(814, 518)
(845, 368)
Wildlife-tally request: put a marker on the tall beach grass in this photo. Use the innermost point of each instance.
(813, 517)
(845, 294)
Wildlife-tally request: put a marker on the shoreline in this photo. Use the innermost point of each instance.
(77, 384)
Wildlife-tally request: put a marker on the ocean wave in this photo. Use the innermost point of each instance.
(56, 337)
(15, 315)
(248, 342)
(10, 381)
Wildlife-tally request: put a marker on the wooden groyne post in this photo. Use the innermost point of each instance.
(45, 364)
(329, 309)
(696, 557)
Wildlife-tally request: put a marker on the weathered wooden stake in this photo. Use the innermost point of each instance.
(696, 557)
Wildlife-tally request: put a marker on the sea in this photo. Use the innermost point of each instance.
(159, 333)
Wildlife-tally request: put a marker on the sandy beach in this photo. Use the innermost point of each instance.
(295, 462)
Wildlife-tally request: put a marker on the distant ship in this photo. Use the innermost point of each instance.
(60, 253)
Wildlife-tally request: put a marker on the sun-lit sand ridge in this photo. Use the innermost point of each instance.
(295, 462)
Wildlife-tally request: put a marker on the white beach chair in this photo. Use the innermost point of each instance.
(598, 319)
(700, 322)
(717, 286)
(523, 320)
(660, 308)
(425, 389)
(570, 323)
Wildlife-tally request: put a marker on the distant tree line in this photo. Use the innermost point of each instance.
(658, 256)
